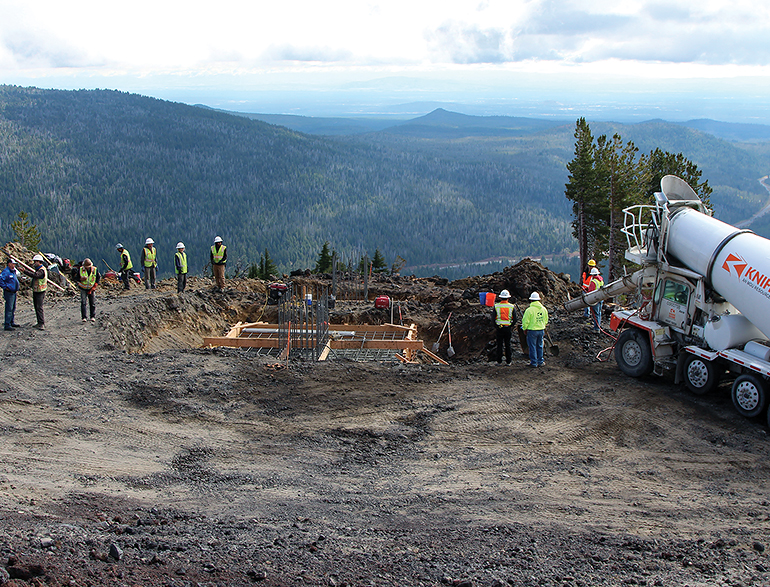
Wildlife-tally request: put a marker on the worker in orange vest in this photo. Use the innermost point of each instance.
(504, 315)
(595, 282)
(586, 281)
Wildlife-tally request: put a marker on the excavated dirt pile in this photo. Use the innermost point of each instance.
(131, 457)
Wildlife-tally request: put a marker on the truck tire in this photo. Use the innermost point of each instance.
(749, 395)
(700, 375)
(633, 354)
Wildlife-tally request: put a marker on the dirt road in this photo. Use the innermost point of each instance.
(182, 466)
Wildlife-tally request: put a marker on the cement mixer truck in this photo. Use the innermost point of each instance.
(700, 304)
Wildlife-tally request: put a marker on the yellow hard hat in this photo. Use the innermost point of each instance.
(592, 263)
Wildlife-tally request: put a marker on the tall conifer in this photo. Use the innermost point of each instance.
(581, 188)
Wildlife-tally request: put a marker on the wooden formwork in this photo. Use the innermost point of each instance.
(342, 337)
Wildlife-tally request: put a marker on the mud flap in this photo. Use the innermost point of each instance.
(679, 373)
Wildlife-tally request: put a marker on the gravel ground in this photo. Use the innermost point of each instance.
(181, 466)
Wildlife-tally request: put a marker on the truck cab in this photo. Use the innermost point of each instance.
(672, 299)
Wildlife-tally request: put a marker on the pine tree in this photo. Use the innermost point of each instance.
(324, 262)
(27, 234)
(268, 267)
(378, 262)
(623, 180)
(605, 178)
(582, 188)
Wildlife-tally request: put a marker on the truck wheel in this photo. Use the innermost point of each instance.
(633, 354)
(700, 376)
(749, 395)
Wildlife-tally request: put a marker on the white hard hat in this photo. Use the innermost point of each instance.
(180, 245)
(38, 258)
(11, 260)
(119, 246)
(594, 271)
(149, 241)
(217, 239)
(535, 297)
(505, 294)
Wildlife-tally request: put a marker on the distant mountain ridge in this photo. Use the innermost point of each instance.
(739, 132)
(447, 123)
(97, 167)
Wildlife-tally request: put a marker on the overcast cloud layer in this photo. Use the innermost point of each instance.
(84, 40)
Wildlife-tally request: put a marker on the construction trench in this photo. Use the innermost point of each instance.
(247, 315)
(304, 331)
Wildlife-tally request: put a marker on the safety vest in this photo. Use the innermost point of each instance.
(87, 277)
(535, 317)
(218, 255)
(128, 263)
(586, 280)
(595, 283)
(149, 256)
(42, 283)
(182, 262)
(504, 314)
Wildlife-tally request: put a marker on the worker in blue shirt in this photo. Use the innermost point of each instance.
(9, 281)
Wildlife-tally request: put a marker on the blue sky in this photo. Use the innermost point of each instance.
(627, 60)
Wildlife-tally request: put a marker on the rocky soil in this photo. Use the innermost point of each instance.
(130, 456)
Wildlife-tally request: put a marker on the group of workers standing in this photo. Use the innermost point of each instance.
(87, 278)
(533, 323)
(535, 319)
(149, 264)
(85, 275)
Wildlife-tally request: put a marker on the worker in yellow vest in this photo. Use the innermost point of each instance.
(126, 266)
(534, 321)
(87, 277)
(39, 286)
(149, 263)
(180, 266)
(218, 262)
(504, 315)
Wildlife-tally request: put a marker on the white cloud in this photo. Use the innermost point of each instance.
(171, 34)
(191, 45)
(575, 32)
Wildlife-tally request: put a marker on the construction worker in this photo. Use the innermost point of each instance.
(126, 266)
(218, 262)
(9, 281)
(87, 278)
(39, 277)
(149, 262)
(504, 315)
(586, 280)
(180, 266)
(534, 321)
(595, 282)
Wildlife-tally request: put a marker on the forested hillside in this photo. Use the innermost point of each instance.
(96, 167)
